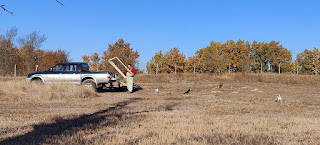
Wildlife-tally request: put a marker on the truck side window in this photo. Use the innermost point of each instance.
(71, 68)
(78, 67)
(57, 68)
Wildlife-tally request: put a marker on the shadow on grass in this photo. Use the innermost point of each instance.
(44, 131)
(113, 89)
(120, 89)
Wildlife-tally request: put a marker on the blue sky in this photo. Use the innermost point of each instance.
(84, 27)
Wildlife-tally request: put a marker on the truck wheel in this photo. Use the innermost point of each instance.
(99, 89)
(89, 83)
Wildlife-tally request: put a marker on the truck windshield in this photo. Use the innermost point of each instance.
(85, 67)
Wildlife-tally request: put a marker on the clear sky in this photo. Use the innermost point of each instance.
(84, 27)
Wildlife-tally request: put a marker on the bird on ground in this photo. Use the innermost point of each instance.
(157, 90)
(187, 91)
(221, 85)
(279, 99)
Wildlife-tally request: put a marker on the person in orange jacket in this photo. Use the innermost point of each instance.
(130, 76)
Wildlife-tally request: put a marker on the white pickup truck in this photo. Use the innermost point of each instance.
(73, 73)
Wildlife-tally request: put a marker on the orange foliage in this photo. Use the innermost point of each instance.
(50, 58)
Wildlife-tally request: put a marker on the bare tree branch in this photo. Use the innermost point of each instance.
(34, 39)
(59, 2)
(2, 6)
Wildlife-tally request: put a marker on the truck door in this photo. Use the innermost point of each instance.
(53, 75)
(71, 75)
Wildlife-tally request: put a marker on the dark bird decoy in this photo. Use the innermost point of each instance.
(221, 85)
(187, 91)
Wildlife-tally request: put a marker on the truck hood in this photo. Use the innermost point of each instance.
(34, 73)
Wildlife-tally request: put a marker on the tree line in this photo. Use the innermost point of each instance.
(241, 56)
(230, 56)
(26, 56)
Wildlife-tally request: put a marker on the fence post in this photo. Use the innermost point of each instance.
(194, 68)
(175, 68)
(279, 67)
(261, 68)
(297, 68)
(157, 69)
(15, 70)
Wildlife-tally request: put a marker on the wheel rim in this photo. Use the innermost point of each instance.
(88, 85)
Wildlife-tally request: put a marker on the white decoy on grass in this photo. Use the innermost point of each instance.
(279, 99)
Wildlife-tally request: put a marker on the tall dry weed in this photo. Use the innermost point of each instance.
(17, 90)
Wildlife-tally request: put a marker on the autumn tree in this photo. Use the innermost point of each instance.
(174, 60)
(93, 61)
(194, 63)
(212, 58)
(309, 61)
(26, 57)
(157, 63)
(227, 52)
(121, 50)
(7, 51)
(50, 58)
(258, 56)
(241, 56)
(30, 45)
(167, 63)
(278, 55)
(272, 54)
(316, 60)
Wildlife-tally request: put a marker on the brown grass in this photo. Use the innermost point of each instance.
(243, 111)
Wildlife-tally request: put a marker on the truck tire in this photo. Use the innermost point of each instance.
(89, 83)
(99, 89)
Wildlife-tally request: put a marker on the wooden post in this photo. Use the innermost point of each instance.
(279, 67)
(261, 68)
(175, 68)
(315, 68)
(157, 69)
(297, 68)
(36, 67)
(194, 68)
(15, 70)
(229, 68)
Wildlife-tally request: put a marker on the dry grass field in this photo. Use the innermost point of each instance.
(243, 111)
